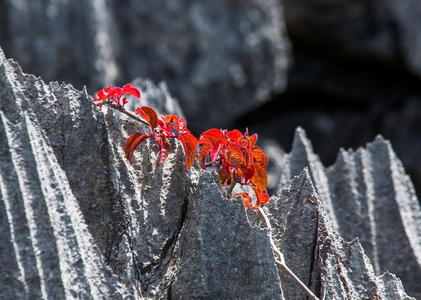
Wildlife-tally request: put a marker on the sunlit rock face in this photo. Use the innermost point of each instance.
(79, 221)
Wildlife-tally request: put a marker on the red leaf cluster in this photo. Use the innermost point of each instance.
(115, 94)
(236, 154)
(163, 128)
(240, 160)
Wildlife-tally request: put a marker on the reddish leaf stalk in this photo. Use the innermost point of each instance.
(162, 127)
(121, 109)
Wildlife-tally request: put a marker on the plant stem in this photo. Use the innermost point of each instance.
(281, 261)
(121, 109)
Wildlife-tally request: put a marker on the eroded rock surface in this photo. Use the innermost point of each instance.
(368, 195)
(78, 220)
(318, 255)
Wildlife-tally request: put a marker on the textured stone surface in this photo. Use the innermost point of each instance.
(335, 269)
(79, 221)
(367, 195)
(219, 251)
(215, 55)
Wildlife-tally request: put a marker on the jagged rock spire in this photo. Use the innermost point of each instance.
(368, 195)
(77, 220)
(335, 269)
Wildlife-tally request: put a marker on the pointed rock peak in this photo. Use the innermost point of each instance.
(342, 157)
(393, 288)
(380, 138)
(11, 66)
(301, 141)
(85, 91)
(303, 183)
(301, 154)
(2, 55)
(379, 143)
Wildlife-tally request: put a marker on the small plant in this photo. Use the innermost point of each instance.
(114, 95)
(239, 160)
(161, 128)
(234, 154)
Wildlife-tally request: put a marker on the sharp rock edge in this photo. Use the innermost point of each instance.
(333, 268)
(78, 221)
(368, 196)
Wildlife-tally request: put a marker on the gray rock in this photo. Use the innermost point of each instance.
(156, 96)
(215, 56)
(335, 269)
(79, 221)
(221, 255)
(368, 195)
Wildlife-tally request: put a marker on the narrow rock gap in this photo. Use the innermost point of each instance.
(317, 287)
(160, 265)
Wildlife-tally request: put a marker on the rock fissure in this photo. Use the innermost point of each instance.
(312, 275)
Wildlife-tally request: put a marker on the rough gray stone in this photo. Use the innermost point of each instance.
(214, 55)
(334, 269)
(367, 195)
(80, 221)
(215, 232)
(156, 96)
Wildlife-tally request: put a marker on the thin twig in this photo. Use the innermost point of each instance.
(281, 261)
(121, 109)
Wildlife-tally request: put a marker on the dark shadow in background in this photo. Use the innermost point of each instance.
(345, 102)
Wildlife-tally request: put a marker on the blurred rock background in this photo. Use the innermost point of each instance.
(345, 70)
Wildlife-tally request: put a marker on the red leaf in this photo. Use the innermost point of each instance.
(103, 93)
(246, 173)
(224, 176)
(234, 135)
(259, 156)
(132, 142)
(262, 197)
(204, 151)
(216, 136)
(246, 199)
(170, 119)
(205, 141)
(149, 114)
(234, 156)
(252, 140)
(260, 177)
(189, 143)
(164, 148)
(215, 153)
(175, 122)
(128, 89)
